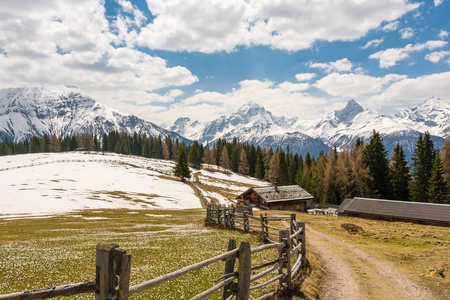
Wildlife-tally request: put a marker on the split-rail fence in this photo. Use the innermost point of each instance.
(113, 264)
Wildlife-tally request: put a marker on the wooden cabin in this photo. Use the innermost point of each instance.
(403, 211)
(290, 197)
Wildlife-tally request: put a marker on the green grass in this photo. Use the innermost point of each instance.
(37, 253)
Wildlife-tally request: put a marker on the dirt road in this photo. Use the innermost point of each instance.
(352, 273)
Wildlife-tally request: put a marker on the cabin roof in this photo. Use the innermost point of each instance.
(280, 193)
(397, 209)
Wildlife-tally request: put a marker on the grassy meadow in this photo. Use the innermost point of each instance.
(41, 252)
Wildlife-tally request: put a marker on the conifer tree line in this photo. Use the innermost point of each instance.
(364, 170)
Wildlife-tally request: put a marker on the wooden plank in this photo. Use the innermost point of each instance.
(244, 271)
(264, 273)
(214, 289)
(154, 282)
(279, 277)
(229, 268)
(89, 286)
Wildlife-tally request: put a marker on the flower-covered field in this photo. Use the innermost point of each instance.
(36, 253)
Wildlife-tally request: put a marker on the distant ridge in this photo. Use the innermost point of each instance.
(25, 112)
(254, 124)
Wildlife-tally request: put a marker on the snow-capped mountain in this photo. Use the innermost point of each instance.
(25, 112)
(433, 115)
(253, 124)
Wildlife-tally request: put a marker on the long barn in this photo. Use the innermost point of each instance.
(404, 211)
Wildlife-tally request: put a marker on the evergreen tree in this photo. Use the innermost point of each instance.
(399, 175)
(194, 157)
(283, 169)
(45, 143)
(375, 159)
(181, 164)
(422, 164)
(146, 148)
(5, 148)
(445, 157)
(105, 142)
(330, 190)
(259, 169)
(35, 144)
(243, 163)
(436, 185)
(235, 155)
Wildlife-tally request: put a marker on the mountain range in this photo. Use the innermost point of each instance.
(25, 112)
(254, 124)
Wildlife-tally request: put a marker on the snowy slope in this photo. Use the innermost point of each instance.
(57, 183)
(96, 183)
(37, 111)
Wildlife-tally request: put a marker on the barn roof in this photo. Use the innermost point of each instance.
(280, 193)
(397, 209)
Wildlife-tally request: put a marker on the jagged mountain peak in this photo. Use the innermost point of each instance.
(250, 108)
(351, 110)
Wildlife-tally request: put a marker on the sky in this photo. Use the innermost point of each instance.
(165, 59)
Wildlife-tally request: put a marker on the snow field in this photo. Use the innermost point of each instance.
(61, 187)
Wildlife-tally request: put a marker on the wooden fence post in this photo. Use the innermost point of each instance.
(285, 252)
(263, 230)
(229, 268)
(105, 275)
(123, 265)
(302, 239)
(233, 217)
(245, 221)
(244, 271)
(208, 217)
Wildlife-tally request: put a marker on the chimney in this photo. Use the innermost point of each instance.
(275, 186)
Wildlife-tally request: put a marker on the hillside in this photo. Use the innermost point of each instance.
(56, 183)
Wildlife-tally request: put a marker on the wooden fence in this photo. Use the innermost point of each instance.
(113, 268)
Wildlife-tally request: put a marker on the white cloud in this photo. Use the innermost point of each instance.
(341, 65)
(209, 26)
(373, 43)
(407, 33)
(392, 26)
(354, 85)
(443, 34)
(205, 105)
(435, 57)
(305, 76)
(70, 43)
(294, 87)
(414, 90)
(438, 2)
(390, 57)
